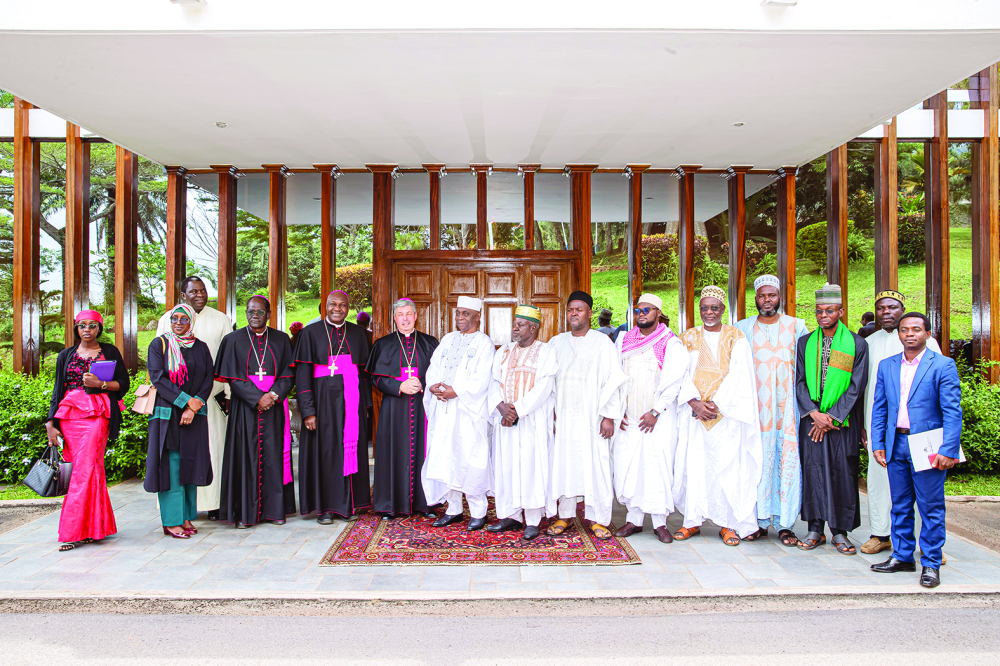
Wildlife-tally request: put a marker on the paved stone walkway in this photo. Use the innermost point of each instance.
(276, 561)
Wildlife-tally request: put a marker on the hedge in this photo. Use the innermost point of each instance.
(811, 243)
(660, 262)
(357, 282)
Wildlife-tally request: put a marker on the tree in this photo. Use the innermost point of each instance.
(152, 264)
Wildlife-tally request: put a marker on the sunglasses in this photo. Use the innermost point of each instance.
(180, 320)
(256, 313)
(87, 327)
(710, 308)
(643, 311)
(829, 312)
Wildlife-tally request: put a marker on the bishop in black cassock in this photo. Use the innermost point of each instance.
(257, 481)
(334, 394)
(400, 446)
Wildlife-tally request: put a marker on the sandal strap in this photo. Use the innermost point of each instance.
(814, 536)
(840, 538)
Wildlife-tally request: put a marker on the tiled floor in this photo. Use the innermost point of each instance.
(272, 560)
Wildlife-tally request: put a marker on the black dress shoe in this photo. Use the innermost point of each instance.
(325, 519)
(241, 526)
(213, 515)
(446, 520)
(892, 565)
(505, 525)
(429, 514)
(531, 532)
(476, 524)
(930, 577)
(280, 521)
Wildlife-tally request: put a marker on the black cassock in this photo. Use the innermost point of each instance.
(402, 427)
(255, 468)
(323, 485)
(830, 467)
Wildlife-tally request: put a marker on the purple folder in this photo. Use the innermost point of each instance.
(103, 370)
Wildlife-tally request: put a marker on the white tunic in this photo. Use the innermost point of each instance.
(589, 388)
(521, 451)
(644, 462)
(458, 446)
(210, 326)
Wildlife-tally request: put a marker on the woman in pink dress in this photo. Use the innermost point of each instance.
(86, 414)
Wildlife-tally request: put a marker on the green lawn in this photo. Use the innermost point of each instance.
(972, 484)
(18, 492)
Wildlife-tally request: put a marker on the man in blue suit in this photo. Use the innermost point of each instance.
(916, 391)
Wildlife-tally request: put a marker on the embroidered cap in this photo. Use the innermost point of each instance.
(652, 299)
(893, 294)
(528, 312)
(829, 294)
(711, 291)
(767, 281)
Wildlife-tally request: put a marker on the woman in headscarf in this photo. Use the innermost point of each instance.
(178, 460)
(86, 414)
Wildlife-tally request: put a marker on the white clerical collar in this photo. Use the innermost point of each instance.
(340, 325)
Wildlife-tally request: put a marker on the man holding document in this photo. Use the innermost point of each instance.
(918, 409)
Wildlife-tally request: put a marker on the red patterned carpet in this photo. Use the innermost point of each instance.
(410, 540)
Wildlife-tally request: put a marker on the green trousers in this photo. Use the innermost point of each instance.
(180, 503)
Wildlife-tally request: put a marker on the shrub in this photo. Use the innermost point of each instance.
(811, 244)
(766, 266)
(357, 282)
(912, 236)
(859, 248)
(980, 424)
(659, 256)
(710, 272)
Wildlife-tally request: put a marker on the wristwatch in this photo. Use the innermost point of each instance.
(273, 395)
(104, 386)
(655, 413)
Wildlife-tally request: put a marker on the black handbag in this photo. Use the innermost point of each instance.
(49, 476)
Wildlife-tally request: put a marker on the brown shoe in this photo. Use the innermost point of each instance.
(663, 534)
(627, 530)
(875, 545)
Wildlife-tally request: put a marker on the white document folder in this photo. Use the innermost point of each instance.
(924, 446)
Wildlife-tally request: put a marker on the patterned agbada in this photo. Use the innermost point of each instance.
(779, 494)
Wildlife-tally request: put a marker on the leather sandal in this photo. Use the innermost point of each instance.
(761, 533)
(844, 546)
(729, 536)
(788, 538)
(685, 533)
(601, 532)
(812, 540)
(558, 527)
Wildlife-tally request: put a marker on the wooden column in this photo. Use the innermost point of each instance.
(580, 220)
(528, 173)
(836, 219)
(986, 225)
(328, 174)
(685, 247)
(76, 260)
(227, 240)
(434, 176)
(277, 243)
(736, 178)
(383, 239)
(634, 172)
(886, 211)
(126, 256)
(785, 221)
(27, 222)
(482, 221)
(938, 267)
(176, 233)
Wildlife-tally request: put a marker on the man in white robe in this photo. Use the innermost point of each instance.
(883, 343)
(718, 460)
(458, 445)
(523, 398)
(656, 363)
(589, 403)
(209, 326)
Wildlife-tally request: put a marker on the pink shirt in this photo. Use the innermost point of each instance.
(907, 371)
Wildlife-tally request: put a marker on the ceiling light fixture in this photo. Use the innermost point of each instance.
(443, 171)
(779, 3)
(221, 124)
(739, 123)
(189, 2)
(627, 172)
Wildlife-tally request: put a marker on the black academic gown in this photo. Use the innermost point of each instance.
(830, 467)
(400, 446)
(253, 466)
(165, 429)
(323, 487)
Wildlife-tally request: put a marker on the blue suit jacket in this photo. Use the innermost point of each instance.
(935, 401)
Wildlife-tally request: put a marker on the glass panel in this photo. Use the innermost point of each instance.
(711, 228)
(505, 211)
(412, 215)
(810, 263)
(609, 261)
(52, 243)
(911, 225)
(660, 220)
(458, 211)
(960, 221)
(552, 212)
(102, 222)
(354, 236)
(761, 233)
(303, 208)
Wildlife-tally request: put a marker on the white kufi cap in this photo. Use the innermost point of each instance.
(470, 303)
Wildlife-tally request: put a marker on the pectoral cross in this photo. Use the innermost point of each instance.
(260, 372)
(333, 365)
(409, 373)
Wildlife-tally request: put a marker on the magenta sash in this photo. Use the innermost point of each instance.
(265, 384)
(344, 366)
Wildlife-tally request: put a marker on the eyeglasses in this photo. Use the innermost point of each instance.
(180, 320)
(87, 327)
(828, 312)
(256, 313)
(710, 308)
(642, 311)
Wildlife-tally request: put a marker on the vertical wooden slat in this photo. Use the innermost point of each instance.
(482, 221)
(886, 211)
(27, 222)
(685, 247)
(434, 176)
(76, 262)
(383, 239)
(277, 243)
(836, 220)
(634, 235)
(736, 178)
(328, 228)
(528, 172)
(126, 257)
(938, 266)
(227, 240)
(580, 220)
(176, 233)
(785, 220)
(986, 225)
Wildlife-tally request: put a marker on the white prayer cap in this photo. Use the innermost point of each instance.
(652, 299)
(470, 303)
(767, 281)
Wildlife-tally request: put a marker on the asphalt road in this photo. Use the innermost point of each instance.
(899, 635)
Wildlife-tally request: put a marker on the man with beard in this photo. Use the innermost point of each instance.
(458, 444)
(717, 464)
(256, 361)
(655, 361)
(334, 395)
(773, 337)
(589, 399)
(883, 343)
(522, 395)
(831, 373)
(209, 326)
